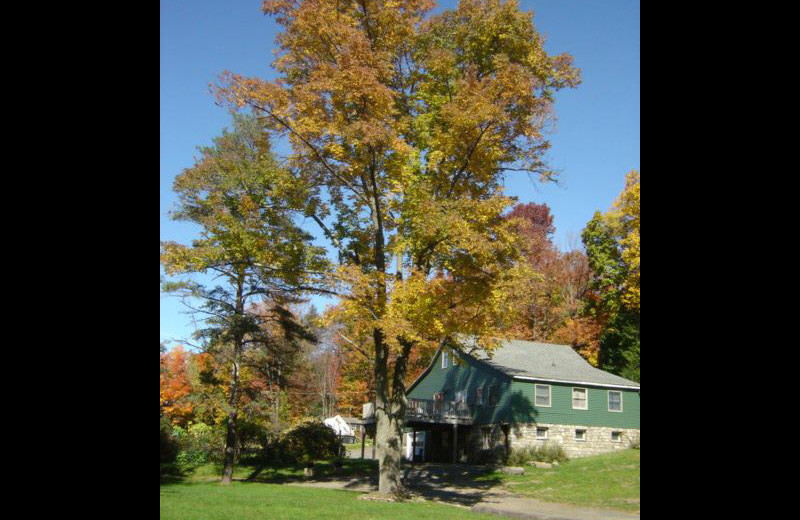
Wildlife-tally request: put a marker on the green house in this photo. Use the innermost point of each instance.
(469, 403)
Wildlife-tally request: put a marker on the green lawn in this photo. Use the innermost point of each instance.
(251, 501)
(610, 480)
(351, 468)
(356, 446)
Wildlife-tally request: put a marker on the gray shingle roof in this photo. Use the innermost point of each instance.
(544, 361)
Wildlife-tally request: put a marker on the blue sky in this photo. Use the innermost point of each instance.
(595, 140)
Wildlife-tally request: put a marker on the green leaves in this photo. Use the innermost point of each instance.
(242, 200)
(612, 247)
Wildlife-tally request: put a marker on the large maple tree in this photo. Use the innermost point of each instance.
(402, 126)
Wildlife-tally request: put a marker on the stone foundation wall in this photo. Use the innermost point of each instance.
(598, 438)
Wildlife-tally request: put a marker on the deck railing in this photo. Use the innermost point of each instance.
(434, 409)
(428, 410)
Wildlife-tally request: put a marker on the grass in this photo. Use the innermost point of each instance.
(605, 481)
(251, 501)
(357, 446)
(351, 468)
(610, 480)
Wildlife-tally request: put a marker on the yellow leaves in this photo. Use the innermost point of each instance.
(335, 150)
(435, 113)
(627, 210)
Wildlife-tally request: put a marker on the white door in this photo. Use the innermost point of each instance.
(420, 448)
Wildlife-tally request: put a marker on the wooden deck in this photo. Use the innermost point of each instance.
(428, 411)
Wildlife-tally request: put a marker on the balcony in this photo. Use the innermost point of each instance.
(429, 411)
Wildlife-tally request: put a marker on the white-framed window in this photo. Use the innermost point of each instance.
(479, 396)
(614, 401)
(444, 359)
(580, 399)
(616, 436)
(580, 434)
(541, 432)
(542, 395)
(461, 396)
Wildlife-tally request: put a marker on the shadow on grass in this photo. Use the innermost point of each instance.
(455, 483)
(355, 472)
(461, 484)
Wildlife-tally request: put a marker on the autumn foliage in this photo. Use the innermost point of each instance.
(402, 126)
(175, 386)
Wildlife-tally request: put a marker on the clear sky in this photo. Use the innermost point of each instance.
(595, 141)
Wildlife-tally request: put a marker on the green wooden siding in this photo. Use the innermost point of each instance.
(469, 374)
(516, 401)
(597, 414)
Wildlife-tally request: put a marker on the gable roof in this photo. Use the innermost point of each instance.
(545, 362)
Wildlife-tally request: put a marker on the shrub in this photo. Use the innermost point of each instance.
(191, 458)
(494, 455)
(169, 444)
(198, 444)
(546, 452)
(550, 453)
(518, 456)
(274, 452)
(309, 440)
(252, 435)
(205, 439)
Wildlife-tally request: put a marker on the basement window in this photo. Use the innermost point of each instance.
(580, 435)
(541, 433)
(616, 436)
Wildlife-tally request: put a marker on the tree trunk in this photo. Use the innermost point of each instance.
(389, 402)
(390, 415)
(230, 437)
(388, 439)
(233, 399)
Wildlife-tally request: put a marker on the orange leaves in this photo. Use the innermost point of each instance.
(407, 128)
(175, 386)
(583, 333)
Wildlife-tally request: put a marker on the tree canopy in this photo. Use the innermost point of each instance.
(238, 194)
(611, 240)
(401, 129)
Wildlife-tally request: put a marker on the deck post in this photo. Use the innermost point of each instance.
(455, 441)
(505, 441)
(373, 441)
(414, 446)
(363, 434)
